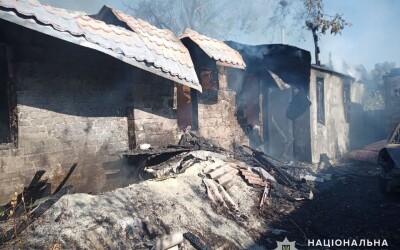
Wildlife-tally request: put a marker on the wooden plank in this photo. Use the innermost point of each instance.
(65, 178)
(38, 211)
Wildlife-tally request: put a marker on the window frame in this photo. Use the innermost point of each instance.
(12, 100)
(320, 95)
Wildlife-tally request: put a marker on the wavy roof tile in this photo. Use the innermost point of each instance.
(162, 42)
(123, 44)
(215, 49)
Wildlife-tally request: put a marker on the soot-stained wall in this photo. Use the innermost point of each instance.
(282, 136)
(72, 106)
(332, 137)
(215, 110)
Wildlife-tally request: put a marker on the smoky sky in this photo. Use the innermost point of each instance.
(374, 36)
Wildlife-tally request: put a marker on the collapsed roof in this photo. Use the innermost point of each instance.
(144, 46)
(217, 50)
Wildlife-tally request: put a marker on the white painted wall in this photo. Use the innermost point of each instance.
(333, 137)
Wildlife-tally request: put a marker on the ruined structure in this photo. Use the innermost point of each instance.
(304, 110)
(213, 112)
(79, 88)
(75, 89)
(276, 76)
(392, 99)
(333, 96)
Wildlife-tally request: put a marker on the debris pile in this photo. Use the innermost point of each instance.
(27, 206)
(195, 195)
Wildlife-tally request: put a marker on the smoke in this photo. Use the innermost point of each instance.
(372, 38)
(252, 51)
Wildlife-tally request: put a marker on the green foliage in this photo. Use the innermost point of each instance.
(218, 19)
(224, 19)
(380, 70)
(374, 99)
(322, 22)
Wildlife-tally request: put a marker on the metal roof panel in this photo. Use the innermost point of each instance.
(116, 41)
(215, 49)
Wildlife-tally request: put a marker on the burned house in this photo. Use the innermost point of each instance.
(275, 76)
(303, 110)
(76, 89)
(213, 112)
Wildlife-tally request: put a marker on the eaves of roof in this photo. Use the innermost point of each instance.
(218, 50)
(85, 31)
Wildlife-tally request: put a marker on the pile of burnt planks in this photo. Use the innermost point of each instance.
(31, 203)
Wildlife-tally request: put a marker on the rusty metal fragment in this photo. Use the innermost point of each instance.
(252, 178)
(369, 153)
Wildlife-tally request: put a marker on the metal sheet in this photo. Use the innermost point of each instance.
(279, 82)
(81, 29)
(218, 50)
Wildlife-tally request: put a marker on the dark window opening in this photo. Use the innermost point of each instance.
(253, 99)
(346, 100)
(5, 125)
(206, 79)
(195, 109)
(131, 128)
(187, 107)
(320, 101)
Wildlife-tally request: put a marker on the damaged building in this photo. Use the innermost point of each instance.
(213, 112)
(77, 89)
(303, 110)
(80, 88)
(333, 114)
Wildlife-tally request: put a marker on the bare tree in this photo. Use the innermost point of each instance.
(320, 22)
(223, 19)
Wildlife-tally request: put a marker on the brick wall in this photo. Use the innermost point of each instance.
(72, 107)
(154, 116)
(217, 114)
(67, 112)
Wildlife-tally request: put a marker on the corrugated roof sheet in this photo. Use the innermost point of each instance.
(215, 49)
(118, 42)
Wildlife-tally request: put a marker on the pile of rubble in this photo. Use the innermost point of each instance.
(194, 195)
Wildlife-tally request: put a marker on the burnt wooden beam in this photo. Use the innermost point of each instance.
(33, 215)
(26, 194)
(65, 178)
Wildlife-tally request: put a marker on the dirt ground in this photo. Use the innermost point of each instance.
(349, 206)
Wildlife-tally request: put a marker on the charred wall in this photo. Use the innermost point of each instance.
(283, 137)
(215, 108)
(218, 120)
(72, 106)
(155, 120)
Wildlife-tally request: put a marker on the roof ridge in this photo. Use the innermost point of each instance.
(123, 44)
